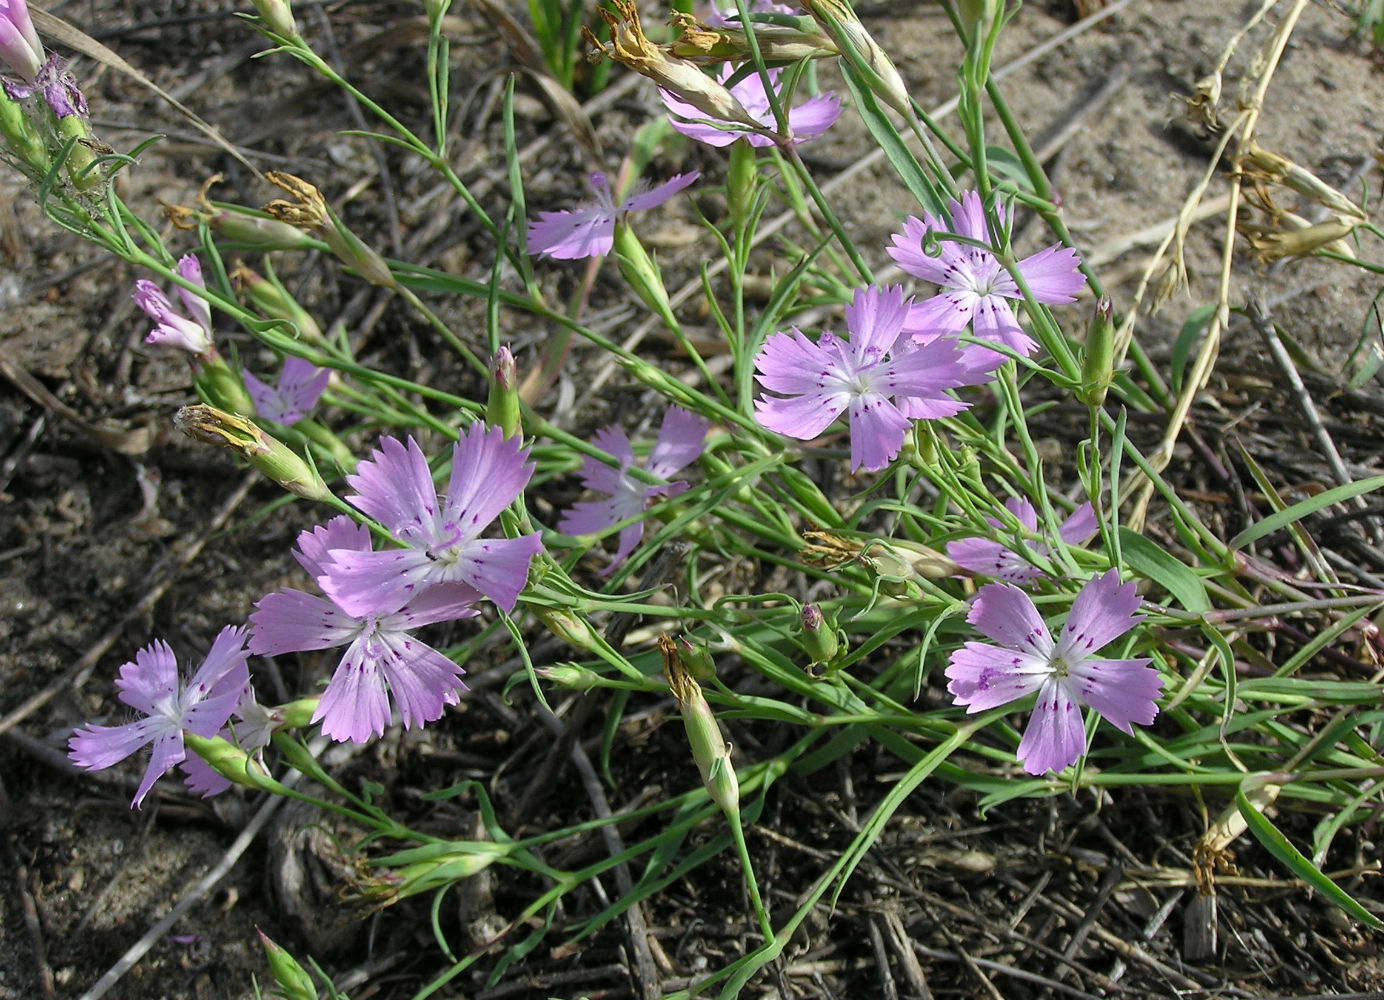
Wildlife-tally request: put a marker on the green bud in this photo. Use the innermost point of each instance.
(569, 627)
(698, 660)
(266, 453)
(232, 763)
(86, 177)
(819, 635)
(295, 714)
(220, 384)
(709, 748)
(292, 978)
(270, 297)
(502, 408)
(277, 16)
(22, 139)
(1098, 356)
(642, 274)
(570, 676)
(740, 182)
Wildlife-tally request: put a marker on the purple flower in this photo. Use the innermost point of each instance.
(20, 48)
(442, 541)
(1065, 673)
(174, 329)
(877, 375)
(590, 231)
(58, 86)
(806, 121)
(974, 283)
(381, 657)
(996, 559)
(300, 386)
(680, 441)
(149, 685)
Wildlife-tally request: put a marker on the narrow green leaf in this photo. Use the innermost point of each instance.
(1148, 559)
(1282, 849)
(1298, 511)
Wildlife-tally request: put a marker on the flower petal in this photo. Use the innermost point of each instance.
(1007, 616)
(983, 676)
(681, 439)
(1055, 737)
(1101, 613)
(1122, 691)
(1053, 275)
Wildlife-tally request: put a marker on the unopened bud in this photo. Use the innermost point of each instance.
(277, 16)
(1098, 355)
(502, 408)
(435, 866)
(569, 627)
(270, 297)
(232, 763)
(22, 139)
(709, 747)
(819, 638)
(863, 53)
(697, 658)
(265, 452)
(740, 183)
(641, 273)
(570, 676)
(295, 714)
(292, 978)
(220, 384)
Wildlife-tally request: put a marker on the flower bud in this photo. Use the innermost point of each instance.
(502, 408)
(277, 16)
(569, 627)
(570, 676)
(740, 183)
(859, 48)
(292, 978)
(270, 297)
(220, 384)
(295, 714)
(266, 453)
(22, 139)
(697, 658)
(641, 273)
(232, 763)
(709, 747)
(819, 635)
(1098, 355)
(434, 866)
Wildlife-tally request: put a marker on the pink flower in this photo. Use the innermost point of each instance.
(590, 231)
(877, 375)
(20, 48)
(680, 441)
(1015, 565)
(713, 17)
(975, 285)
(1065, 674)
(301, 384)
(150, 685)
(806, 121)
(442, 540)
(172, 328)
(382, 657)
